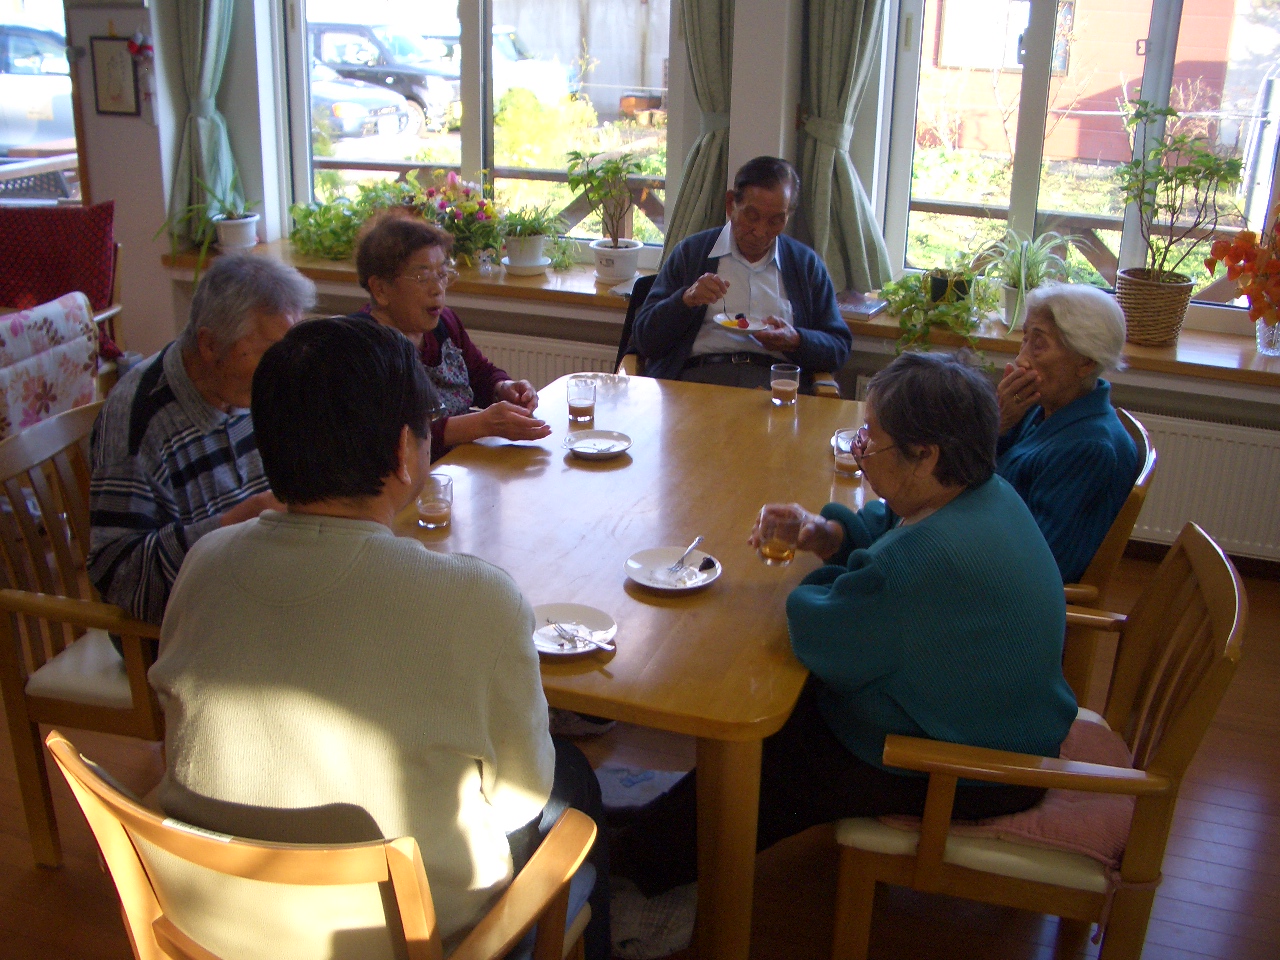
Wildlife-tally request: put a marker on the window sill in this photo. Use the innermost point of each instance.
(575, 287)
(1198, 353)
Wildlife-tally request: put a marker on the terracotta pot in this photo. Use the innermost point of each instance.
(1154, 305)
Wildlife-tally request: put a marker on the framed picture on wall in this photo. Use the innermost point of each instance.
(115, 77)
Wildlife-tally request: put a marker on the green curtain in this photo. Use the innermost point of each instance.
(842, 36)
(708, 33)
(204, 31)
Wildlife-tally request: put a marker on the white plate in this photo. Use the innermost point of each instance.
(527, 271)
(753, 325)
(649, 568)
(597, 444)
(573, 616)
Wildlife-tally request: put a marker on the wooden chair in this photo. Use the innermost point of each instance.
(1080, 649)
(57, 662)
(1178, 650)
(377, 902)
(630, 363)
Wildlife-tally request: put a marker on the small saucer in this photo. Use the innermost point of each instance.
(649, 568)
(597, 444)
(574, 616)
(527, 270)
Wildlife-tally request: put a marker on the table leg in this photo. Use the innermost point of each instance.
(728, 804)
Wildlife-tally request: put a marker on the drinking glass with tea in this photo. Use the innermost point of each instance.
(582, 399)
(779, 532)
(784, 378)
(435, 502)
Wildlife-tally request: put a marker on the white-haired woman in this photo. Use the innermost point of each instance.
(1061, 446)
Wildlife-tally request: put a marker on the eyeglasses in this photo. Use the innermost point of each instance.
(859, 446)
(440, 278)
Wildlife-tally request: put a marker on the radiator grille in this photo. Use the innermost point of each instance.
(540, 360)
(1226, 478)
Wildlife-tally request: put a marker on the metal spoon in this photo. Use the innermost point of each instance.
(675, 567)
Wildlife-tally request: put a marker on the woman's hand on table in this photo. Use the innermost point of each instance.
(512, 422)
(818, 535)
(519, 392)
(1017, 392)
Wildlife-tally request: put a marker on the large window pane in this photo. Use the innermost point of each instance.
(578, 75)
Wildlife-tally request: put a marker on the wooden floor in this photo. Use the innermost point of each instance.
(1220, 897)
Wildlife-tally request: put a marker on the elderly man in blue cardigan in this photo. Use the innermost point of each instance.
(747, 268)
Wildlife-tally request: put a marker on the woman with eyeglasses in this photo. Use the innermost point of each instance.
(939, 613)
(403, 262)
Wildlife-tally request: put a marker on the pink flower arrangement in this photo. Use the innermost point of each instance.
(461, 208)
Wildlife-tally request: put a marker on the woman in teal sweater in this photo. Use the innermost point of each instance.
(939, 614)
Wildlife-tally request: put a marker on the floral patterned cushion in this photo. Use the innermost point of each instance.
(48, 361)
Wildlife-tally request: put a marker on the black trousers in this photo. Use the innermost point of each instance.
(575, 785)
(807, 777)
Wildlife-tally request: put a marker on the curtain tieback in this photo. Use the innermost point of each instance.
(830, 133)
(712, 122)
(203, 107)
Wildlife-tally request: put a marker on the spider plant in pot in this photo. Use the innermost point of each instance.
(526, 231)
(1020, 265)
(232, 217)
(1178, 185)
(602, 178)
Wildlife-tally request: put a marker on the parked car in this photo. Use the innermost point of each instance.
(351, 108)
(514, 66)
(35, 87)
(390, 59)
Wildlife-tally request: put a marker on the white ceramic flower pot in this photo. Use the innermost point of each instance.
(239, 234)
(615, 264)
(525, 251)
(1013, 316)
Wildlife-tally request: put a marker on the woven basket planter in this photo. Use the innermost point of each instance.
(1153, 309)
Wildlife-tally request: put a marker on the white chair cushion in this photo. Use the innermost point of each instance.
(89, 671)
(1001, 857)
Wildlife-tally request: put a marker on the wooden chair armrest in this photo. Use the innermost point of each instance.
(1095, 619)
(108, 313)
(84, 613)
(1080, 593)
(999, 766)
(629, 365)
(544, 879)
(824, 385)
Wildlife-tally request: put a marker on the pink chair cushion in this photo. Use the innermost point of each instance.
(1093, 824)
(48, 361)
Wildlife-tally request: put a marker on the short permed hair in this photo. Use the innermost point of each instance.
(236, 286)
(924, 399)
(1089, 319)
(390, 239)
(329, 403)
(767, 172)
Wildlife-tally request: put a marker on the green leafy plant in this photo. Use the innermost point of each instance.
(1177, 183)
(603, 181)
(541, 221)
(562, 251)
(329, 229)
(197, 222)
(1023, 264)
(963, 298)
(461, 208)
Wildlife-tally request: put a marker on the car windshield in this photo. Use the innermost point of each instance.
(508, 46)
(405, 47)
(321, 72)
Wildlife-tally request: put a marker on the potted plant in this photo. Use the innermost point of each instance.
(526, 231)
(1175, 181)
(951, 299)
(461, 208)
(232, 217)
(603, 181)
(1020, 265)
(1253, 262)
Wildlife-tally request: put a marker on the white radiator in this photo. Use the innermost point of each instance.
(1224, 477)
(539, 360)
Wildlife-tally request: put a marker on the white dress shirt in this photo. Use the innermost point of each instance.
(755, 289)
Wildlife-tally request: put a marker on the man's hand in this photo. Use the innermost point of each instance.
(1018, 392)
(248, 509)
(708, 288)
(512, 422)
(817, 534)
(779, 335)
(519, 392)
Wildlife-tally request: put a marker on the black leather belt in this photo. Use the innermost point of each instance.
(711, 359)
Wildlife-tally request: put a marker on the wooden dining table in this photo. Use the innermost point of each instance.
(714, 662)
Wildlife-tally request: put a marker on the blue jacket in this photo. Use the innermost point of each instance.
(1074, 471)
(950, 628)
(665, 328)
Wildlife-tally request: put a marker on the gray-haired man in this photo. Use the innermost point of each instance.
(174, 454)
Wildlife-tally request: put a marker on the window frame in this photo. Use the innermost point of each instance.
(904, 54)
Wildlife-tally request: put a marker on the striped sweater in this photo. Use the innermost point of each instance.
(949, 628)
(166, 466)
